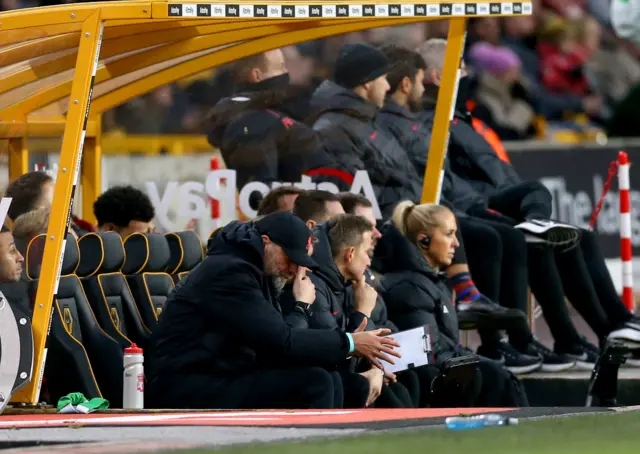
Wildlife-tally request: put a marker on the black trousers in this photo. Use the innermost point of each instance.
(497, 258)
(526, 200)
(580, 273)
(292, 388)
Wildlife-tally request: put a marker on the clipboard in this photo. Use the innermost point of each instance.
(415, 347)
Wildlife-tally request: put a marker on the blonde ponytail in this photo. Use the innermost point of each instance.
(411, 219)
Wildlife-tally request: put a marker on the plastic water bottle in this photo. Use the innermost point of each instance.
(479, 421)
(133, 386)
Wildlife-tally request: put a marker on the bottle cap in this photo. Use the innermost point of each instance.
(133, 350)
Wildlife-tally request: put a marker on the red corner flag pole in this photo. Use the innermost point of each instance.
(625, 230)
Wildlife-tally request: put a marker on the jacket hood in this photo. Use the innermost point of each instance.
(291, 101)
(396, 253)
(239, 238)
(327, 271)
(331, 97)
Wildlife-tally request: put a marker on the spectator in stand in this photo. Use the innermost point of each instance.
(32, 191)
(499, 266)
(344, 111)
(521, 38)
(338, 303)
(222, 341)
(258, 130)
(124, 210)
(579, 271)
(565, 48)
(414, 246)
(279, 199)
(504, 102)
(625, 19)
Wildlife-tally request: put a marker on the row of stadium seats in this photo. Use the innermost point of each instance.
(109, 296)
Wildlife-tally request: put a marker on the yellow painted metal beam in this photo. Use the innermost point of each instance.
(70, 159)
(18, 157)
(40, 127)
(149, 83)
(37, 48)
(73, 13)
(91, 173)
(121, 42)
(444, 111)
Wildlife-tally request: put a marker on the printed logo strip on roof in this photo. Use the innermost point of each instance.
(329, 11)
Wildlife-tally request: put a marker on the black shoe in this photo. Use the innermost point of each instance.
(484, 313)
(512, 359)
(582, 352)
(551, 361)
(550, 232)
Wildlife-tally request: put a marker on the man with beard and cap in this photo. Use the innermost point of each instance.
(496, 253)
(578, 272)
(258, 129)
(343, 251)
(344, 110)
(222, 341)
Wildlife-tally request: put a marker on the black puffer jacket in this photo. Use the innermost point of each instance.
(262, 140)
(333, 307)
(346, 124)
(224, 318)
(415, 294)
(413, 132)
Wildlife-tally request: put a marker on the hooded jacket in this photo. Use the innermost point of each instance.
(415, 294)
(346, 124)
(334, 304)
(413, 132)
(224, 318)
(260, 136)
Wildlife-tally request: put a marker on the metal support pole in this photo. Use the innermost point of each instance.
(67, 179)
(444, 111)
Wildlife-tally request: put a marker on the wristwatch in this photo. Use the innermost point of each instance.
(303, 308)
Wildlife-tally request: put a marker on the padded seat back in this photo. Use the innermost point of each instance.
(147, 255)
(101, 259)
(186, 253)
(82, 356)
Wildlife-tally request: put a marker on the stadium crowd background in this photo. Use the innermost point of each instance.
(562, 67)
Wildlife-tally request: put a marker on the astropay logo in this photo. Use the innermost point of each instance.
(221, 185)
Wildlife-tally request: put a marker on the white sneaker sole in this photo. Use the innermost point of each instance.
(556, 367)
(631, 337)
(520, 370)
(584, 365)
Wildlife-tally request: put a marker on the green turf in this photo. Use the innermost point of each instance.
(588, 434)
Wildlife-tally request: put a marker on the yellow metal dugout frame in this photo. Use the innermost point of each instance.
(49, 63)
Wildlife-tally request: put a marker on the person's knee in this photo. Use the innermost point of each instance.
(483, 239)
(541, 191)
(317, 388)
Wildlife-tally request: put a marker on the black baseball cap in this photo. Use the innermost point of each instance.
(291, 234)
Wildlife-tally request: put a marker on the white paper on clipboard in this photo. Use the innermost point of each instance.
(415, 348)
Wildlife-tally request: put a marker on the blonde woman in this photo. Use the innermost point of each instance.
(415, 245)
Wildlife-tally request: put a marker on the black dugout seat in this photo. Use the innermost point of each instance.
(147, 255)
(82, 357)
(101, 260)
(186, 253)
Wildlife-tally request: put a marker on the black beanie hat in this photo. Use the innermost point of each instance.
(358, 64)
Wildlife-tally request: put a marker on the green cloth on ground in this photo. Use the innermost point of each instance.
(77, 403)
